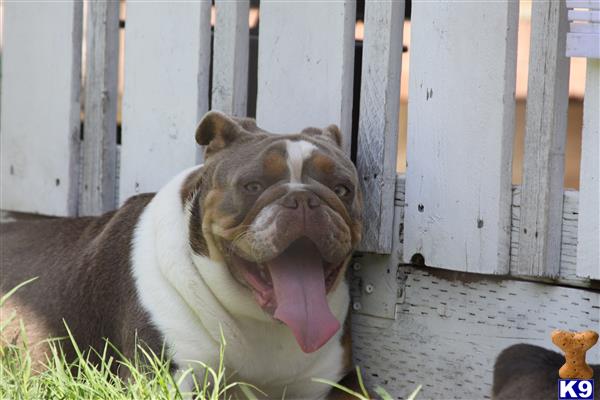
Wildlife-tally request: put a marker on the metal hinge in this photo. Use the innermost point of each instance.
(377, 285)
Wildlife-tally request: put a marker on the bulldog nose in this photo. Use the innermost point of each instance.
(295, 199)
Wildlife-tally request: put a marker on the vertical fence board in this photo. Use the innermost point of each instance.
(588, 255)
(378, 126)
(545, 134)
(305, 65)
(167, 58)
(100, 118)
(40, 121)
(230, 57)
(460, 134)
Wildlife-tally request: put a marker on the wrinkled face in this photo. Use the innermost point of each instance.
(284, 213)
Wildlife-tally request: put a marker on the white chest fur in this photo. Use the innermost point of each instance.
(190, 298)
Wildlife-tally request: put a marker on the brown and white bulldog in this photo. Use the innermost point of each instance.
(255, 243)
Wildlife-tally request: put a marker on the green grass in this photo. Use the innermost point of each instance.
(149, 374)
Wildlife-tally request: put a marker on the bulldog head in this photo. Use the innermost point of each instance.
(283, 212)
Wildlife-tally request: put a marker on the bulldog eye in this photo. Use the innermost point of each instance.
(341, 190)
(253, 187)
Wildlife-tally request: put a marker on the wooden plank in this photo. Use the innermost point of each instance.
(576, 27)
(588, 255)
(100, 119)
(40, 121)
(167, 59)
(230, 57)
(583, 45)
(458, 184)
(568, 246)
(450, 327)
(584, 15)
(591, 4)
(545, 135)
(378, 126)
(305, 65)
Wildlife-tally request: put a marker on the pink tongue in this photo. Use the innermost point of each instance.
(299, 283)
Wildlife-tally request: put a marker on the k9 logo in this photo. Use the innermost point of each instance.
(575, 389)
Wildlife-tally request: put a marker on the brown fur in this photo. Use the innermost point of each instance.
(83, 264)
(83, 276)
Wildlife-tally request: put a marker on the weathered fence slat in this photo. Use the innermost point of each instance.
(584, 15)
(545, 134)
(460, 134)
(305, 65)
(577, 27)
(591, 4)
(230, 57)
(378, 126)
(166, 91)
(588, 255)
(40, 121)
(100, 118)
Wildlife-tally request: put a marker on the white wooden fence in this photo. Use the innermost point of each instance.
(454, 210)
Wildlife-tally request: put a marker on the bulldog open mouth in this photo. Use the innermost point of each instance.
(251, 246)
(293, 287)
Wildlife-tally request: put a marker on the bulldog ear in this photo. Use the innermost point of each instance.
(217, 131)
(332, 133)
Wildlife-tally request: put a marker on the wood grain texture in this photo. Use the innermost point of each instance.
(460, 134)
(40, 121)
(167, 55)
(230, 57)
(100, 119)
(568, 245)
(545, 135)
(305, 65)
(588, 255)
(378, 125)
